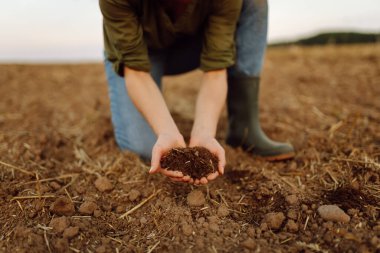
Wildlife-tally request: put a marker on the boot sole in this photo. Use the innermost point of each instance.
(281, 157)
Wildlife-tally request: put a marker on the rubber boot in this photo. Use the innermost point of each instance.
(244, 125)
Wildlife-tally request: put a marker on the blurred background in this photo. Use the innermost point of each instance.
(71, 30)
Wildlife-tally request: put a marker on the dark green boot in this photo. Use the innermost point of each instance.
(244, 125)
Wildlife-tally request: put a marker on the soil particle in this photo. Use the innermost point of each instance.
(196, 198)
(249, 244)
(264, 226)
(213, 219)
(134, 195)
(55, 186)
(62, 206)
(120, 209)
(61, 245)
(196, 162)
(101, 249)
(274, 220)
(375, 241)
(292, 214)
(199, 242)
(214, 227)
(143, 220)
(22, 232)
(223, 211)
(304, 207)
(70, 232)
(291, 199)
(251, 231)
(59, 224)
(292, 226)
(88, 208)
(103, 184)
(97, 213)
(333, 213)
(187, 229)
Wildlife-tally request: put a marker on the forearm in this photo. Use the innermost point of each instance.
(210, 102)
(148, 99)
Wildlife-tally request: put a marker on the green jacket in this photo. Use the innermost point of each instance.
(132, 26)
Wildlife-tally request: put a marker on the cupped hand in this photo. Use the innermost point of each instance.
(164, 143)
(214, 147)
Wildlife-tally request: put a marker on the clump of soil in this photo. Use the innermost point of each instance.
(62, 206)
(196, 162)
(196, 198)
(103, 184)
(274, 220)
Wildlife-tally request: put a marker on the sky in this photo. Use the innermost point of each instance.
(71, 30)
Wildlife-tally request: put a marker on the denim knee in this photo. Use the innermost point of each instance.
(141, 145)
(132, 131)
(251, 38)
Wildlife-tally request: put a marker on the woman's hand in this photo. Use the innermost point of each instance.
(164, 143)
(211, 98)
(214, 147)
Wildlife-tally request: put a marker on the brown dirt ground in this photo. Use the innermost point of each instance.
(56, 139)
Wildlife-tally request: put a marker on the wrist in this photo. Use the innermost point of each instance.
(174, 133)
(201, 132)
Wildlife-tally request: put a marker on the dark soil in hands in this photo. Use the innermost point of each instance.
(196, 162)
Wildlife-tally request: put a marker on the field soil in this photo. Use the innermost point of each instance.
(66, 187)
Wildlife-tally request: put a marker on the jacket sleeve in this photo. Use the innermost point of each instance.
(219, 38)
(123, 36)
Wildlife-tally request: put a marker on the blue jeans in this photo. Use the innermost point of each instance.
(132, 132)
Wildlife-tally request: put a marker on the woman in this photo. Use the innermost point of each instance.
(226, 39)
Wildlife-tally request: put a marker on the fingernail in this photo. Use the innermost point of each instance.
(151, 170)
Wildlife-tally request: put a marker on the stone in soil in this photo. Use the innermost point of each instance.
(333, 213)
(196, 198)
(62, 206)
(103, 184)
(274, 220)
(59, 224)
(88, 208)
(71, 232)
(196, 162)
(249, 244)
(134, 194)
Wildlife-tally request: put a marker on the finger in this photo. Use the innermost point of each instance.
(196, 181)
(174, 179)
(186, 178)
(191, 181)
(192, 143)
(156, 158)
(222, 160)
(203, 180)
(212, 176)
(171, 173)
